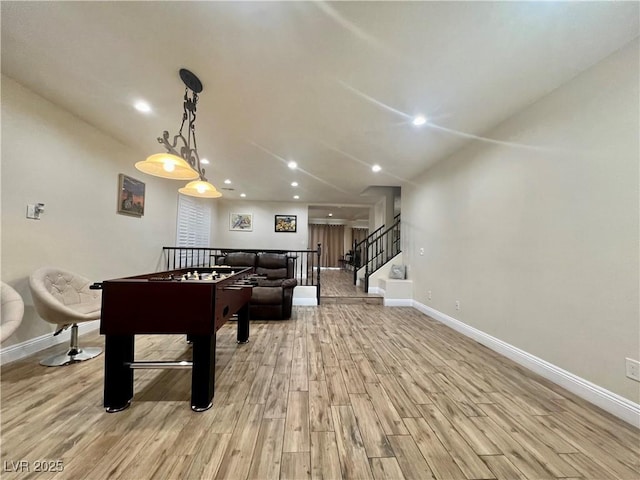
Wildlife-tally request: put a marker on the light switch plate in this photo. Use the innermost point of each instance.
(31, 212)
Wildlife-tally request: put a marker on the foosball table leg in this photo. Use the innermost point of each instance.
(118, 375)
(203, 372)
(243, 324)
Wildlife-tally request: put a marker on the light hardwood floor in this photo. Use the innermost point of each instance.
(339, 283)
(338, 391)
(337, 287)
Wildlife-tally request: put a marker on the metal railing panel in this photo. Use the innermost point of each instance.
(306, 263)
(376, 250)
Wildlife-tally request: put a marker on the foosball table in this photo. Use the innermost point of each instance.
(194, 303)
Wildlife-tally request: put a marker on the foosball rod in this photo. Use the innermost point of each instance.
(160, 364)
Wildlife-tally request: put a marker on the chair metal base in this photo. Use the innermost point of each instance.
(72, 356)
(75, 354)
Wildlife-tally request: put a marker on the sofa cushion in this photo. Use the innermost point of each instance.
(240, 259)
(266, 296)
(272, 273)
(272, 260)
(265, 282)
(278, 282)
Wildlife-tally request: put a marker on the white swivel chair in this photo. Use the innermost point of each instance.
(64, 298)
(12, 311)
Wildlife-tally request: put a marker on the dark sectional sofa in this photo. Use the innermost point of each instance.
(272, 299)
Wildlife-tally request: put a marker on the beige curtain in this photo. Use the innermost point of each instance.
(331, 237)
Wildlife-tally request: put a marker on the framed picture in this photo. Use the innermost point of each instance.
(241, 222)
(286, 223)
(130, 196)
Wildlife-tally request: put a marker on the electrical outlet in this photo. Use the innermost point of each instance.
(457, 304)
(429, 295)
(421, 251)
(633, 369)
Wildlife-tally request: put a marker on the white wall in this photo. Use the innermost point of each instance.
(385, 208)
(263, 234)
(377, 215)
(541, 245)
(51, 156)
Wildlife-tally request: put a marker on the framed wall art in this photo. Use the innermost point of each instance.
(130, 196)
(241, 222)
(286, 223)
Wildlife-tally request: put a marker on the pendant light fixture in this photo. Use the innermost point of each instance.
(182, 164)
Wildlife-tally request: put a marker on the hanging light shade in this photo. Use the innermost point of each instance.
(167, 165)
(200, 188)
(181, 161)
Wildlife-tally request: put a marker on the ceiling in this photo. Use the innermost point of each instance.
(331, 85)
(339, 213)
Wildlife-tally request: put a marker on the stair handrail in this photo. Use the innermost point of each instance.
(372, 262)
(356, 258)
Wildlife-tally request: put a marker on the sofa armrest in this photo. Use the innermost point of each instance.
(265, 282)
(279, 282)
(289, 283)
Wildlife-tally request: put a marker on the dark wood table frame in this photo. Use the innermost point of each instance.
(148, 305)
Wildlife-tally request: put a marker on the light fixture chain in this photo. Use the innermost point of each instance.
(184, 110)
(188, 162)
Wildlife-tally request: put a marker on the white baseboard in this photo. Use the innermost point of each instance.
(376, 291)
(34, 345)
(398, 302)
(613, 403)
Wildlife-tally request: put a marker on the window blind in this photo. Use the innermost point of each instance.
(193, 225)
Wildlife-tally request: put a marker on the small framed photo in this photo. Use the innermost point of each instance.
(241, 222)
(286, 223)
(130, 196)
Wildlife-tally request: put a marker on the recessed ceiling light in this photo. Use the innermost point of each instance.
(331, 214)
(243, 195)
(296, 197)
(294, 184)
(227, 181)
(419, 120)
(204, 161)
(142, 106)
(376, 168)
(292, 165)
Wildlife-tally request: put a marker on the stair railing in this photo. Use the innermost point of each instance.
(360, 251)
(377, 249)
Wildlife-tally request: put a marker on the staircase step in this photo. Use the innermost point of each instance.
(368, 300)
